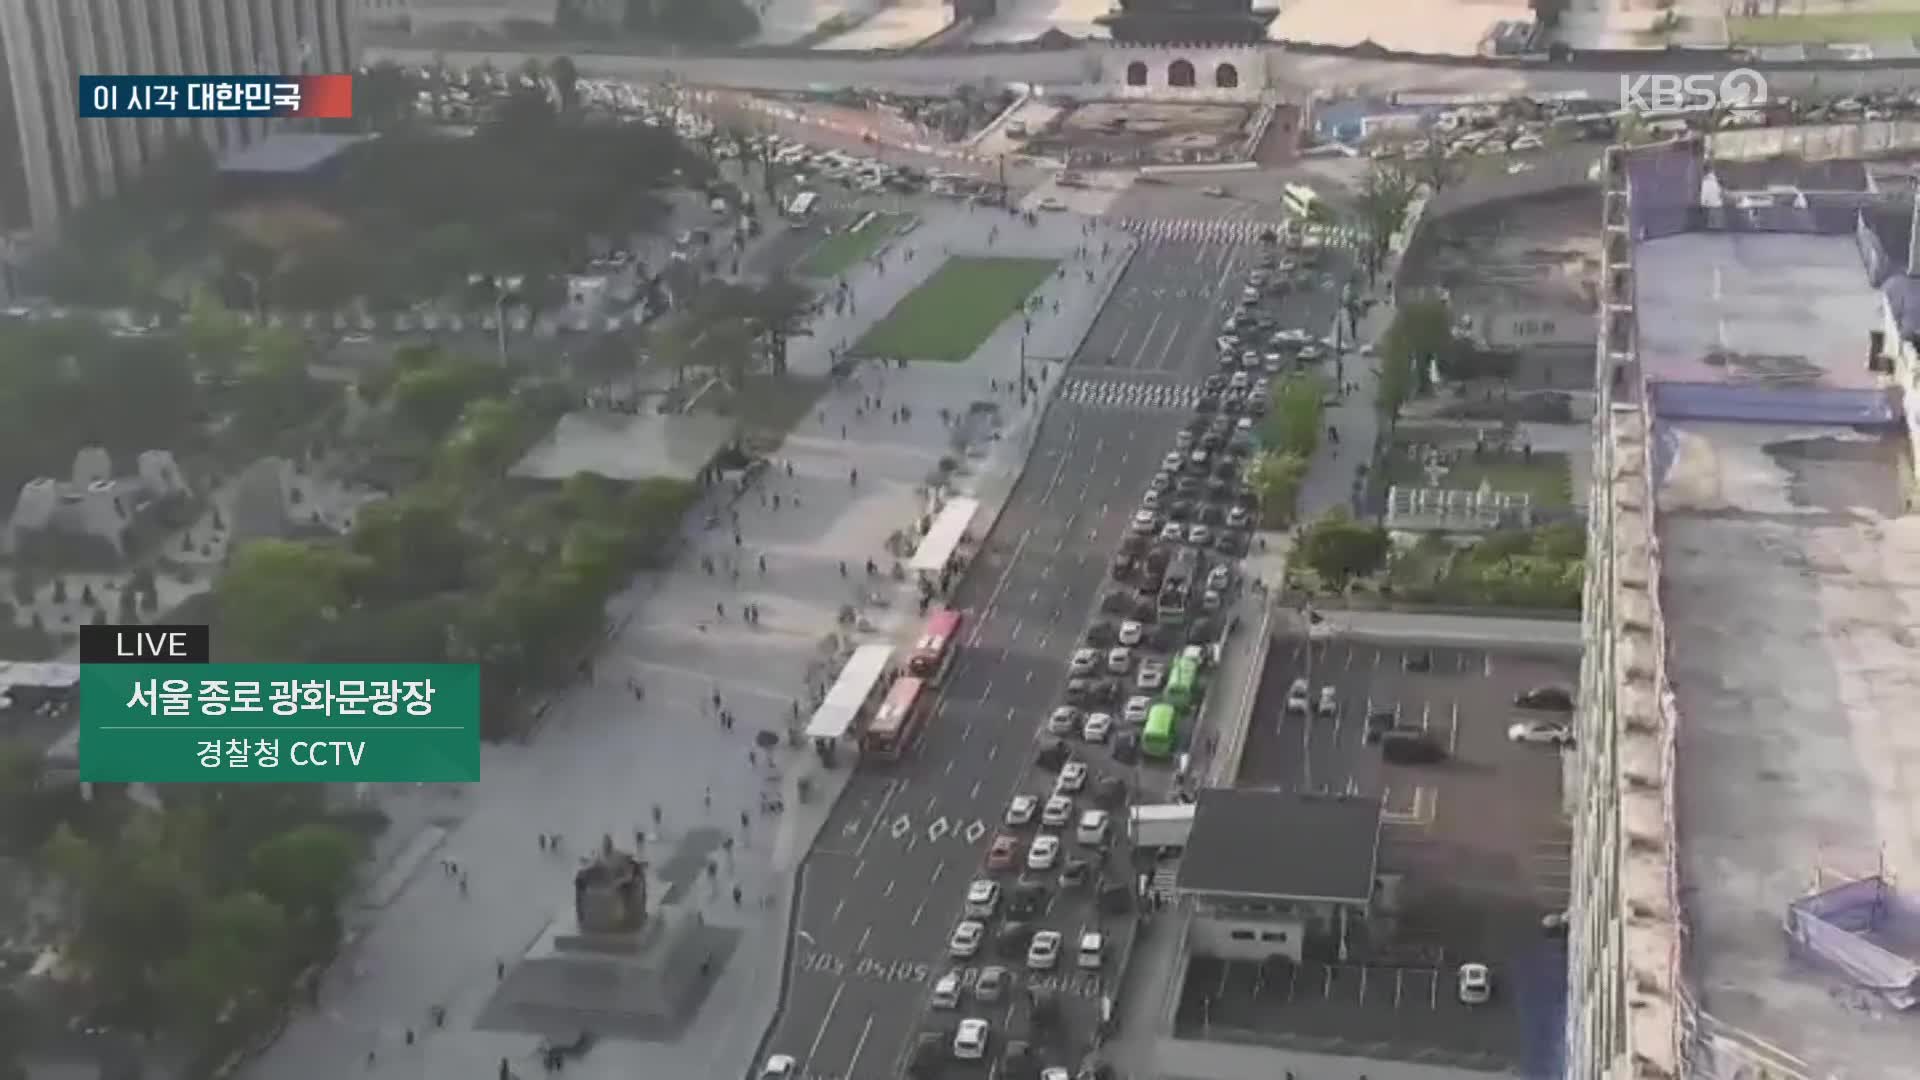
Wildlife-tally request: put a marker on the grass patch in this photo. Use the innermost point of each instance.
(1841, 27)
(1548, 478)
(953, 311)
(841, 249)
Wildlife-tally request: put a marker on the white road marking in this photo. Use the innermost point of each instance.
(949, 769)
(864, 935)
(919, 911)
(888, 891)
(859, 867)
(837, 909)
(975, 793)
(993, 751)
(878, 816)
(853, 1063)
(825, 1022)
(938, 869)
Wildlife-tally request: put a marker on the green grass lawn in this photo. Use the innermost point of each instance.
(1847, 28)
(953, 311)
(1548, 477)
(839, 250)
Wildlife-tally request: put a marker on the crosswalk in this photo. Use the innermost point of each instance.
(1230, 231)
(1123, 394)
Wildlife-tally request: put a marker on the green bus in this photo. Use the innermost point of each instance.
(1183, 682)
(1156, 740)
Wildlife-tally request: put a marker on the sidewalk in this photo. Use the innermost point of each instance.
(604, 762)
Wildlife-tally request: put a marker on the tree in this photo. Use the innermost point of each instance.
(432, 396)
(526, 110)
(383, 96)
(491, 433)
(275, 592)
(235, 963)
(213, 335)
(1381, 206)
(307, 872)
(566, 82)
(1276, 478)
(1433, 167)
(413, 544)
(1421, 333)
(1339, 549)
(1293, 422)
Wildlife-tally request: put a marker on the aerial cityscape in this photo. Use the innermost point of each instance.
(992, 540)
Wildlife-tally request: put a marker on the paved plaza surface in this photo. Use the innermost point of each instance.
(603, 760)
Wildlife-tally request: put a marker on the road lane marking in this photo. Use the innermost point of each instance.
(825, 1022)
(976, 830)
(932, 801)
(879, 815)
(1453, 731)
(949, 767)
(889, 889)
(993, 751)
(974, 795)
(938, 869)
(864, 935)
(936, 832)
(987, 694)
(853, 1063)
(859, 867)
(1017, 624)
(966, 732)
(837, 909)
(919, 911)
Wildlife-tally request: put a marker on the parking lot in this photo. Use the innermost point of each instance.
(1474, 843)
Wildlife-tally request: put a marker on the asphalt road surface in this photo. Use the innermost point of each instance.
(885, 885)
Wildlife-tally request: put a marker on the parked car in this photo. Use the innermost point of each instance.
(1539, 732)
(1411, 748)
(1475, 984)
(1546, 698)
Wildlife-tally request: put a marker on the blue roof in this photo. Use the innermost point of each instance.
(287, 153)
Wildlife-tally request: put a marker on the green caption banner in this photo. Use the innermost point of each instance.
(279, 723)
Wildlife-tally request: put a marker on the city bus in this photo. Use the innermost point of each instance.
(898, 719)
(1156, 739)
(934, 650)
(1183, 682)
(1299, 199)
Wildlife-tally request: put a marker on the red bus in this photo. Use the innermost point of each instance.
(898, 718)
(939, 641)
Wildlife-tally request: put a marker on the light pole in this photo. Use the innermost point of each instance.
(1026, 325)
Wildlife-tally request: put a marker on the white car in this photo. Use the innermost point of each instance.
(1131, 632)
(1065, 719)
(1182, 439)
(1021, 810)
(1093, 827)
(1199, 534)
(1238, 517)
(1476, 984)
(1173, 461)
(1093, 950)
(1119, 660)
(1536, 731)
(966, 938)
(1297, 697)
(1041, 856)
(779, 1067)
(1073, 777)
(1152, 675)
(970, 1040)
(1144, 522)
(1097, 728)
(1161, 481)
(1055, 1072)
(1173, 533)
(1329, 701)
(1240, 381)
(1150, 501)
(1219, 577)
(983, 899)
(1084, 661)
(1051, 203)
(1044, 951)
(1058, 811)
(946, 992)
(1136, 709)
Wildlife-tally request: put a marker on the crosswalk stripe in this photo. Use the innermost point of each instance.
(1122, 394)
(1221, 230)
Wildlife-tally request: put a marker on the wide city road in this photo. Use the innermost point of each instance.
(884, 887)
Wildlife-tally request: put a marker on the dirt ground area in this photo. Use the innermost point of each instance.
(1538, 253)
(1134, 130)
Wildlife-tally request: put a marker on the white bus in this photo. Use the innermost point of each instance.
(802, 205)
(1299, 199)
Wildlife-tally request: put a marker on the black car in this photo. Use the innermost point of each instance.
(1101, 635)
(929, 1049)
(1214, 384)
(1197, 425)
(1146, 610)
(1232, 542)
(1026, 899)
(1227, 469)
(1211, 514)
(1234, 406)
(1165, 637)
(1549, 698)
(1081, 691)
(1210, 442)
(1116, 602)
(1258, 406)
(1187, 486)
(1053, 756)
(1418, 661)
(1075, 873)
(1132, 544)
(1219, 490)
(1126, 748)
(1411, 748)
(1014, 938)
(1207, 403)
(1158, 558)
(1110, 792)
(1180, 510)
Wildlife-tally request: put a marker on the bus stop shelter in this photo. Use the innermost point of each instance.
(859, 681)
(930, 559)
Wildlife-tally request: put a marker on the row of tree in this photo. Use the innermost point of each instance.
(185, 924)
(1289, 437)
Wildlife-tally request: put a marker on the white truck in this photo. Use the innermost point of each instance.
(1162, 825)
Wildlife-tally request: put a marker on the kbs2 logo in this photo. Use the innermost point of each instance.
(1742, 88)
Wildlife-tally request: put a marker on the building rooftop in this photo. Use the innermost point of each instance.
(1793, 173)
(1259, 842)
(1790, 588)
(1762, 309)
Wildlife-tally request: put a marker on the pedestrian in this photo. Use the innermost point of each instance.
(746, 822)
(657, 815)
(736, 896)
(843, 568)
(853, 477)
(543, 841)
(499, 970)
(736, 538)
(763, 566)
(720, 609)
(776, 500)
(707, 798)
(463, 884)
(753, 758)
(789, 470)
(409, 1036)
(370, 1057)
